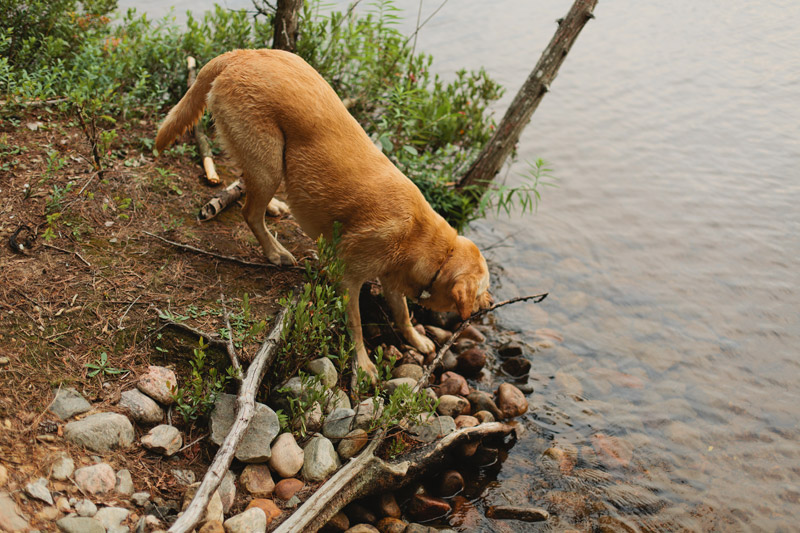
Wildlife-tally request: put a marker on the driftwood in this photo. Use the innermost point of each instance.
(203, 146)
(497, 150)
(245, 409)
(368, 474)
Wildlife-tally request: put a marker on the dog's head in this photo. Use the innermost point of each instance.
(462, 284)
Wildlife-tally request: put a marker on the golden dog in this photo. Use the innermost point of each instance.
(281, 121)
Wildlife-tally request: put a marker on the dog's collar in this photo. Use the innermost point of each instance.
(425, 293)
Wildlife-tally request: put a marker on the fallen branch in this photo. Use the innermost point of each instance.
(229, 345)
(222, 200)
(203, 146)
(245, 409)
(211, 338)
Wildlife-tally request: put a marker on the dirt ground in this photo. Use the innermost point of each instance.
(92, 279)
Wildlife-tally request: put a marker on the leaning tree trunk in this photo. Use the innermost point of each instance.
(287, 13)
(496, 151)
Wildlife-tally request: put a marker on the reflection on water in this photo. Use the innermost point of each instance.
(666, 381)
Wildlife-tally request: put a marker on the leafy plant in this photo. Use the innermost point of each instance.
(197, 396)
(101, 366)
(504, 197)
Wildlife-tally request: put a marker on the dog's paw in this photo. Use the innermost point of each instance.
(422, 343)
(276, 208)
(370, 370)
(282, 258)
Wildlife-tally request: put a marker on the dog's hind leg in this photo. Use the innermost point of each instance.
(399, 306)
(257, 198)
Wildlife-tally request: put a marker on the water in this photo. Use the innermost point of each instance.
(670, 253)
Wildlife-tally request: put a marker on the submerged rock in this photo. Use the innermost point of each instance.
(424, 508)
(526, 514)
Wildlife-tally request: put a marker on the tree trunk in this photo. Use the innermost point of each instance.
(285, 25)
(496, 151)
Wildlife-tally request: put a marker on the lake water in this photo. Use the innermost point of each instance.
(670, 250)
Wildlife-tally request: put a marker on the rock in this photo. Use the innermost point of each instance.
(465, 516)
(271, 511)
(163, 439)
(85, 508)
(11, 518)
(257, 480)
(292, 502)
(359, 514)
(439, 335)
(451, 483)
(254, 520)
(101, 432)
(613, 452)
(432, 428)
(338, 522)
(424, 508)
(255, 444)
(48, 513)
(472, 333)
(484, 417)
(62, 504)
(408, 371)
(393, 384)
(511, 401)
(391, 524)
(468, 449)
(4, 476)
(511, 512)
(310, 419)
(183, 477)
(96, 479)
(76, 524)
(387, 505)
(286, 488)
(352, 443)
(38, 490)
(320, 459)
(464, 386)
(227, 490)
(449, 361)
(411, 357)
(212, 526)
(630, 496)
(516, 367)
(62, 468)
(525, 388)
(419, 528)
(463, 345)
(287, 456)
(213, 509)
(569, 383)
(68, 403)
(323, 367)
(141, 407)
(124, 483)
(140, 498)
(366, 411)
(509, 349)
(111, 518)
(482, 401)
(362, 528)
(158, 383)
(452, 405)
(337, 399)
(338, 424)
(466, 421)
(471, 362)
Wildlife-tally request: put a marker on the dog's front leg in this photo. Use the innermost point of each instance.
(354, 324)
(399, 306)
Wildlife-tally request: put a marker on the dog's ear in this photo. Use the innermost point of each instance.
(464, 293)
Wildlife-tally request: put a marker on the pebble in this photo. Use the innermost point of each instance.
(367, 411)
(391, 525)
(569, 383)
(287, 456)
(419, 528)
(183, 477)
(85, 508)
(439, 335)
(359, 514)
(338, 522)
(163, 439)
(471, 362)
(511, 512)
(96, 479)
(411, 357)
(48, 513)
(271, 511)
(408, 371)
(286, 488)
(338, 424)
(212, 526)
(629, 496)
(323, 367)
(38, 490)
(255, 444)
(101, 432)
(158, 383)
(449, 361)
(257, 480)
(432, 428)
(509, 349)
(124, 483)
(452, 405)
(511, 401)
(140, 498)
(141, 407)
(516, 367)
(68, 403)
(472, 333)
(254, 520)
(464, 386)
(352, 443)
(3, 475)
(311, 419)
(482, 401)
(337, 399)
(451, 483)
(565, 457)
(111, 518)
(424, 508)
(227, 490)
(466, 421)
(292, 502)
(484, 417)
(613, 452)
(62, 504)
(388, 505)
(76, 524)
(362, 528)
(10, 515)
(321, 459)
(62, 468)
(213, 509)
(393, 384)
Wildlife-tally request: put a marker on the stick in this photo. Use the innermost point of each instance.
(229, 345)
(79, 256)
(212, 338)
(223, 199)
(203, 146)
(245, 409)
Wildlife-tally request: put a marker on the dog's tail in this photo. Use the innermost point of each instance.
(189, 110)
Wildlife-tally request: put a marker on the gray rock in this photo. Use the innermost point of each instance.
(450, 405)
(140, 498)
(158, 383)
(255, 444)
(184, 477)
(96, 479)
(323, 367)
(287, 456)
(337, 399)
(85, 508)
(11, 518)
(408, 371)
(393, 384)
(321, 459)
(38, 490)
(338, 424)
(68, 403)
(227, 490)
(254, 520)
(213, 509)
(292, 502)
(433, 428)
(76, 524)
(311, 419)
(124, 483)
(111, 518)
(449, 361)
(62, 468)
(163, 439)
(367, 411)
(141, 407)
(101, 432)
